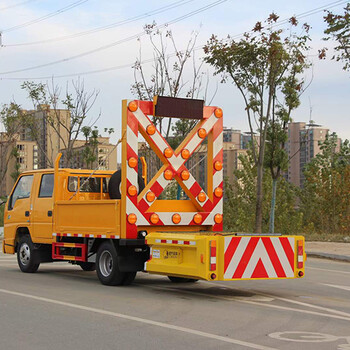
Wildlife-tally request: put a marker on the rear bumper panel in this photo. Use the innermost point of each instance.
(224, 257)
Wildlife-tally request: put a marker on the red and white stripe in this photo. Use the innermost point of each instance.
(87, 235)
(175, 241)
(259, 257)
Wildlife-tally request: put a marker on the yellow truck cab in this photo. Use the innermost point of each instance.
(117, 222)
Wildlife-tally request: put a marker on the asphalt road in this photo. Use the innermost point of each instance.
(62, 307)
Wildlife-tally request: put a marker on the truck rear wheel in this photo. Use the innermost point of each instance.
(107, 266)
(26, 255)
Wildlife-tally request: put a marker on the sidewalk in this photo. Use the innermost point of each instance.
(328, 250)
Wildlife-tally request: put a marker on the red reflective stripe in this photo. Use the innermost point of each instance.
(133, 123)
(273, 257)
(175, 242)
(212, 267)
(163, 241)
(246, 257)
(231, 250)
(213, 252)
(217, 128)
(188, 242)
(288, 250)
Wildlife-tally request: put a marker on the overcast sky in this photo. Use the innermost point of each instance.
(327, 97)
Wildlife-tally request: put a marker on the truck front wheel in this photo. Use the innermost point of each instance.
(26, 255)
(107, 266)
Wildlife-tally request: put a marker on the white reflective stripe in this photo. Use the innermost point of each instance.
(217, 179)
(209, 123)
(217, 210)
(169, 241)
(217, 145)
(176, 162)
(159, 141)
(190, 182)
(162, 181)
(54, 234)
(131, 175)
(192, 243)
(282, 257)
(300, 258)
(69, 235)
(131, 209)
(132, 139)
(259, 253)
(103, 236)
(213, 260)
(91, 235)
(167, 217)
(80, 235)
(292, 243)
(193, 143)
(158, 241)
(237, 256)
(180, 242)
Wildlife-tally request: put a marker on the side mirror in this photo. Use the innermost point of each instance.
(2, 202)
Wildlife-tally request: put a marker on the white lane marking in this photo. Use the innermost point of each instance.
(336, 286)
(327, 270)
(336, 312)
(262, 304)
(305, 337)
(140, 320)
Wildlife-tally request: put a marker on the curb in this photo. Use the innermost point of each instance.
(336, 257)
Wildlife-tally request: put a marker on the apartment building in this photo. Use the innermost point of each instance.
(303, 144)
(105, 155)
(50, 137)
(27, 159)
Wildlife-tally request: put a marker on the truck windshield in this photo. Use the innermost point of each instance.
(22, 190)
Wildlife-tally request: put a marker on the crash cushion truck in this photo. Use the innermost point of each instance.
(118, 223)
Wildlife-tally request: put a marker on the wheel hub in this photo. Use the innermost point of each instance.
(106, 263)
(24, 254)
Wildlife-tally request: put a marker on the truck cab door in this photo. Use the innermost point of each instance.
(42, 213)
(18, 211)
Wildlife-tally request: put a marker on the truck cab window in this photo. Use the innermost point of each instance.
(22, 190)
(72, 183)
(92, 184)
(46, 186)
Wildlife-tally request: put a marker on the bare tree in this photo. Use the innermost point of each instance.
(11, 118)
(66, 122)
(174, 73)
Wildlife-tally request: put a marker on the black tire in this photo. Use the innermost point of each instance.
(129, 278)
(107, 268)
(114, 185)
(27, 256)
(181, 279)
(87, 266)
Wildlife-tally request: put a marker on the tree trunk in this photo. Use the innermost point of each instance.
(259, 198)
(273, 205)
